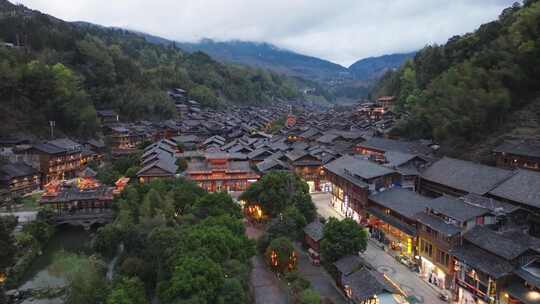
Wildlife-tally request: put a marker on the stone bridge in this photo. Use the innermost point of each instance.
(85, 220)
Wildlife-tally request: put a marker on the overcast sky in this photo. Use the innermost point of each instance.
(341, 31)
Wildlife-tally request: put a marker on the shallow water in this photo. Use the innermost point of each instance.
(40, 275)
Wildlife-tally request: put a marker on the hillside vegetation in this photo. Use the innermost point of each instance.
(65, 71)
(467, 90)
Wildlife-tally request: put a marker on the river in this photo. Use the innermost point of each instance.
(40, 274)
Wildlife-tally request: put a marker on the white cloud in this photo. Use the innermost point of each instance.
(342, 31)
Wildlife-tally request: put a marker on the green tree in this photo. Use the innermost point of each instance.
(7, 241)
(204, 96)
(309, 296)
(107, 239)
(41, 231)
(232, 292)
(193, 278)
(87, 283)
(127, 291)
(342, 238)
(182, 165)
(280, 255)
(278, 190)
(216, 204)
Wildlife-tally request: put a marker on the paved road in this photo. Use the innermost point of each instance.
(267, 289)
(320, 280)
(409, 282)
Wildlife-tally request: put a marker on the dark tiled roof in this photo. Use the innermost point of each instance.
(348, 264)
(259, 152)
(490, 204)
(366, 283)
(393, 221)
(465, 176)
(437, 224)
(523, 188)
(167, 165)
(296, 154)
(14, 170)
(48, 148)
(518, 290)
(456, 208)
(314, 230)
(495, 243)
(271, 164)
(65, 143)
(402, 201)
(523, 148)
(384, 144)
(309, 133)
(483, 260)
(328, 138)
(396, 158)
(529, 274)
(356, 168)
(74, 194)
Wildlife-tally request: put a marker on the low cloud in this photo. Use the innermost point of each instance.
(341, 31)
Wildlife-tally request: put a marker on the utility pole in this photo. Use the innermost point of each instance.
(52, 124)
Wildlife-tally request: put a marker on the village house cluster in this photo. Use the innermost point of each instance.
(468, 228)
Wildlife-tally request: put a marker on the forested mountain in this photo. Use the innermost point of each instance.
(269, 56)
(467, 90)
(373, 68)
(55, 70)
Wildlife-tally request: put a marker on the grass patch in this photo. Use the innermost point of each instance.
(65, 264)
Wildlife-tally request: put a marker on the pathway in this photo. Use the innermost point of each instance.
(320, 280)
(267, 289)
(408, 281)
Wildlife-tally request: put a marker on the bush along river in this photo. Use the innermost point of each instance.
(46, 279)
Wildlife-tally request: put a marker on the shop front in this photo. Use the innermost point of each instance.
(431, 273)
(341, 203)
(400, 236)
(466, 297)
(311, 185)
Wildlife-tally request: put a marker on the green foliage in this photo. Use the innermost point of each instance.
(180, 238)
(290, 225)
(66, 71)
(232, 292)
(107, 240)
(204, 96)
(128, 291)
(218, 243)
(310, 296)
(216, 204)
(284, 250)
(193, 277)
(86, 278)
(342, 238)
(182, 164)
(7, 241)
(276, 191)
(277, 125)
(41, 231)
(461, 91)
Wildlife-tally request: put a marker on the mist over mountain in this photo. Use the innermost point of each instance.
(375, 67)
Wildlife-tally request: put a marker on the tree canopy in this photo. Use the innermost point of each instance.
(183, 244)
(278, 190)
(342, 238)
(462, 91)
(65, 71)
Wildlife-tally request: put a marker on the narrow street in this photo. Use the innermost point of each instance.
(267, 289)
(408, 281)
(320, 280)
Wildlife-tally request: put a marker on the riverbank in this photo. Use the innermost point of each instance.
(46, 273)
